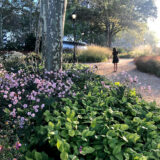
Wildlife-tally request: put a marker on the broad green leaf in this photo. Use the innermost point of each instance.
(71, 133)
(26, 158)
(51, 124)
(59, 144)
(38, 156)
(64, 156)
(87, 150)
(122, 127)
(87, 133)
(68, 126)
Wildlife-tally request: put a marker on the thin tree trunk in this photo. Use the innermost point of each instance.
(53, 15)
(38, 37)
(39, 32)
(30, 19)
(1, 30)
(110, 40)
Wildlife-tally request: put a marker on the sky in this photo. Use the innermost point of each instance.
(154, 25)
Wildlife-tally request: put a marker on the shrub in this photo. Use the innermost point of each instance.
(75, 114)
(94, 54)
(141, 51)
(125, 55)
(97, 120)
(149, 64)
(67, 57)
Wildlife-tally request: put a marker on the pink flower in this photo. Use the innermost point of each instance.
(29, 113)
(12, 94)
(37, 100)
(5, 96)
(1, 147)
(149, 88)
(102, 82)
(80, 149)
(10, 105)
(106, 86)
(18, 145)
(32, 115)
(42, 106)
(25, 106)
(130, 79)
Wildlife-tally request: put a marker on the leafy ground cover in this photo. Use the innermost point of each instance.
(74, 115)
(149, 64)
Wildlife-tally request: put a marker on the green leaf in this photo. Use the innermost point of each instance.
(28, 158)
(117, 148)
(71, 133)
(6, 110)
(64, 156)
(51, 124)
(68, 126)
(87, 150)
(119, 156)
(59, 144)
(87, 133)
(122, 127)
(48, 116)
(67, 111)
(38, 156)
(93, 123)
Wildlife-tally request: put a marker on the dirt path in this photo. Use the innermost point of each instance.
(144, 80)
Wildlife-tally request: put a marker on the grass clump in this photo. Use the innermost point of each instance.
(94, 54)
(149, 64)
(142, 50)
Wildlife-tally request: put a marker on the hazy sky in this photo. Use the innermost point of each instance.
(154, 25)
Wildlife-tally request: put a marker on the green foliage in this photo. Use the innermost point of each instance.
(99, 122)
(67, 57)
(149, 64)
(32, 62)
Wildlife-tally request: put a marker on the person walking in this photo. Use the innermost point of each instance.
(115, 59)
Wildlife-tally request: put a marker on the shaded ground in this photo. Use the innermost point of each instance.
(128, 66)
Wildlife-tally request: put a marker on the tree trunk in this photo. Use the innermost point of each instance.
(39, 32)
(109, 36)
(53, 16)
(38, 37)
(1, 31)
(30, 19)
(110, 40)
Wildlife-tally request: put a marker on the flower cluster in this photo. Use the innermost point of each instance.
(27, 92)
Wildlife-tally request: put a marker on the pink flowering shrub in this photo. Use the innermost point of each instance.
(24, 95)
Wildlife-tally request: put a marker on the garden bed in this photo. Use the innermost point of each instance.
(73, 115)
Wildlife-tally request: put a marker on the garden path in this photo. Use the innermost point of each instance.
(144, 79)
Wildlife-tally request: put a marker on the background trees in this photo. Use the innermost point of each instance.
(103, 19)
(98, 20)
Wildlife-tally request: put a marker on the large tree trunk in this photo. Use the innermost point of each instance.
(53, 16)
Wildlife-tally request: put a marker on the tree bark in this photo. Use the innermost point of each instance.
(1, 30)
(53, 18)
(39, 31)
